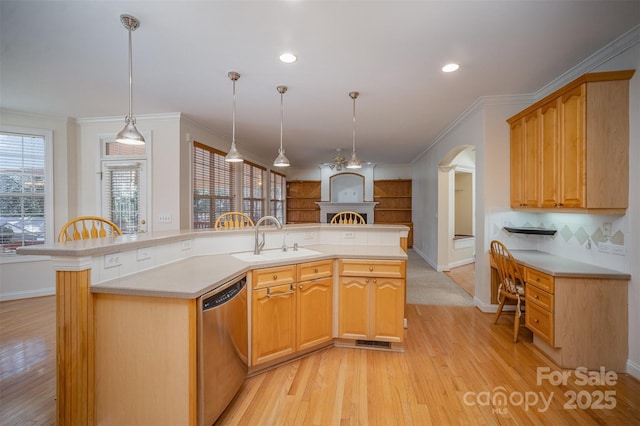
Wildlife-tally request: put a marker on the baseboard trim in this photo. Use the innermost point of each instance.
(15, 295)
(633, 369)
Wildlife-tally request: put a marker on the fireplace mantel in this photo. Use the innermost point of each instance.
(362, 207)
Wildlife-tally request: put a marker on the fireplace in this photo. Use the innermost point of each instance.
(328, 209)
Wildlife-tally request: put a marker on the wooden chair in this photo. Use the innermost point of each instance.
(511, 283)
(88, 227)
(348, 218)
(233, 220)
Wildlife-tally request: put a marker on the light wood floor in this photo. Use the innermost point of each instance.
(464, 276)
(454, 359)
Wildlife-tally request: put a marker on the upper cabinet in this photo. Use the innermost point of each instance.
(570, 150)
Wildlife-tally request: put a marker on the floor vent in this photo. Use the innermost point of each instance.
(373, 343)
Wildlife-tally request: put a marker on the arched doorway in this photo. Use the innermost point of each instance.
(456, 210)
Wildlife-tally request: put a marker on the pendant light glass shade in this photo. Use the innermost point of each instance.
(281, 160)
(233, 156)
(354, 163)
(130, 135)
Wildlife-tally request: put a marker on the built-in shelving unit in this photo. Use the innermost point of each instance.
(394, 203)
(302, 196)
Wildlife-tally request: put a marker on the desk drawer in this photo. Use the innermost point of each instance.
(539, 297)
(372, 268)
(314, 270)
(277, 275)
(539, 279)
(540, 322)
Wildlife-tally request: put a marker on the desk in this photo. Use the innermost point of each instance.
(578, 312)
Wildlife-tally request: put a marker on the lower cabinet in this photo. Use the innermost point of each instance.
(372, 300)
(292, 308)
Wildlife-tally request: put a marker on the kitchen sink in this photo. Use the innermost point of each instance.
(275, 254)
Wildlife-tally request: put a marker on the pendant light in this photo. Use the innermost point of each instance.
(354, 163)
(233, 156)
(130, 135)
(281, 160)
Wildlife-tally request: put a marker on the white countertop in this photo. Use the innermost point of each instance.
(558, 266)
(194, 276)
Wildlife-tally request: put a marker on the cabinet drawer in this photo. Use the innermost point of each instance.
(540, 322)
(539, 297)
(539, 279)
(314, 270)
(372, 268)
(273, 276)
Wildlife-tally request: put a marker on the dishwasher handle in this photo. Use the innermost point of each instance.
(220, 297)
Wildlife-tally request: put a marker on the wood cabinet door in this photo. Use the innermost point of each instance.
(531, 171)
(572, 148)
(549, 164)
(354, 308)
(273, 326)
(387, 309)
(516, 164)
(315, 312)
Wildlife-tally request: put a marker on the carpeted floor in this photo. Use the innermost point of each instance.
(426, 286)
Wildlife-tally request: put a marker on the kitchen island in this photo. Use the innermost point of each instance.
(126, 309)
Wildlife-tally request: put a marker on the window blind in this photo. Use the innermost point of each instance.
(122, 190)
(213, 183)
(253, 190)
(277, 195)
(23, 189)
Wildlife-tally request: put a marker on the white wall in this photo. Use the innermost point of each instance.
(484, 126)
(164, 130)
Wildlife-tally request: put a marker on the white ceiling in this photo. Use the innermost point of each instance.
(69, 58)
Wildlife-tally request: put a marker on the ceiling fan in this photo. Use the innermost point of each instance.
(338, 161)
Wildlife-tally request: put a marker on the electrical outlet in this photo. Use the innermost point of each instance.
(606, 229)
(604, 247)
(112, 260)
(308, 235)
(349, 235)
(186, 245)
(143, 253)
(164, 218)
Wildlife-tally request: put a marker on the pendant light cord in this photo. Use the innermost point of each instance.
(354, 124)
(281, 118)
(233, 118)
(130, 116)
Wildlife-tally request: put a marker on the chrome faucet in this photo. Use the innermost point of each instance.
(259, 245)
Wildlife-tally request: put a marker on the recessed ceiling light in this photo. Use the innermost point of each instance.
(288, 58)
(450, 67)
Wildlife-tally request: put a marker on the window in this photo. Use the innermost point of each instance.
(277, 195)
(253, 190)
(124, 184)
(26, 187)
(213, 185)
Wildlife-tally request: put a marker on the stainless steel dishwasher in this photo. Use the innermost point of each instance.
(222, 347)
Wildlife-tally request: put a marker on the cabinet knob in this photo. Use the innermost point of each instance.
(300, 286)
(370, 268)
(536, 321)
(367, 280)
(375, 280)
(315, 270)
(536, 296)
(538, 279)
(275, 276)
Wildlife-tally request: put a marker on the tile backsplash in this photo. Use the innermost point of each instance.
(581, 237)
